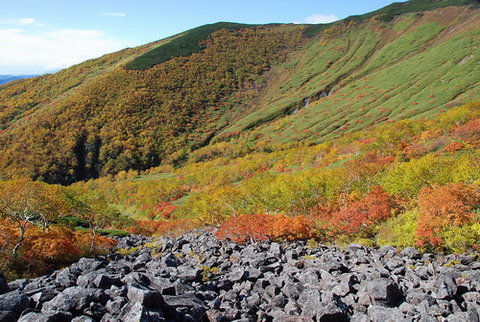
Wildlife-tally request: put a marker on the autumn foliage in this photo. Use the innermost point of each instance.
(442, 207)
(265, 226)
(44, 250)
(358, 217)
(33, 238)
(155, 227)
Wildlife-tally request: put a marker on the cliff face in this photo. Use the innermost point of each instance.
(198, 278)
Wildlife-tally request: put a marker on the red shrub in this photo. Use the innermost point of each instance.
(360, 216)
(455, 146)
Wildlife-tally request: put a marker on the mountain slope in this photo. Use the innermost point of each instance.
(365, 74)
(270, 84)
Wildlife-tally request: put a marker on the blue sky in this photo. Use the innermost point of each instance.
(38, 36)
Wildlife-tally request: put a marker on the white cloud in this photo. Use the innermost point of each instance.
(26, 21)
(319, 18)
(54, 49)
(114, 14)
(19, 21)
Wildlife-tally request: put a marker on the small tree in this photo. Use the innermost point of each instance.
(26, 203)
(92, 208)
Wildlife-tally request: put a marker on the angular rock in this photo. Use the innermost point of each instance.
(66, 278)
(95, 310)
(74, 299)
(45, 295)
(146, 297)
(331, 313)
(252, 273)
(460, 317)
(446, 287)
(186, 300)
(16, 285)
(86, 280)
(292, 290)
(292, 308)
(120, 267)
(137, 312)
(276, 250)
(189, 274)
(136, 278)
(310, 302)
(384, 314)
(387, 251)
(360, 317)
(310, 277)
(280, 316)
(384, 291)
(170, 260)
(88, 265)
(115, 306)
(236, 275)
(163, 285)
(53, 316)
(105, 281)
(14, 302)
(183, 306)
(83, 318)
(278, 301)
(8, 316)
(231, 295)
(411, 253)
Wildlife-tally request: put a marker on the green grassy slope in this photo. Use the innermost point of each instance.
(374, 72)
(395, 9)
(270, 84)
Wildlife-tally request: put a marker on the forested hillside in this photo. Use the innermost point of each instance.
(276, 83)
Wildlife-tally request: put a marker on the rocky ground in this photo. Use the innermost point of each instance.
(198, 278)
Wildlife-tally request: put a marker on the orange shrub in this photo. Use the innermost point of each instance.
(45, 249)
(445, 206)
(56, 245)
(454, 147)
(156, 227)
(357, 217)
(265, 226)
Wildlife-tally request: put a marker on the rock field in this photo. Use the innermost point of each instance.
(199, 278)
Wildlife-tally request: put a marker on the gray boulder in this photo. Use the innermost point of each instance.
(87, 265)
(384, 314)
(309, 301)
(446, 287)
(3, 284)
(8, 316)
(411, 253)
(331, 312)
(74, 299)
(15, 302)
(53, 316)
(146, 297)
(384, 292)
(137, 312)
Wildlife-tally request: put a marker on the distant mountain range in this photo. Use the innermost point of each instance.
(8, 78)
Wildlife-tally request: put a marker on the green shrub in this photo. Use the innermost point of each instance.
(399, 231)
(460, 239)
